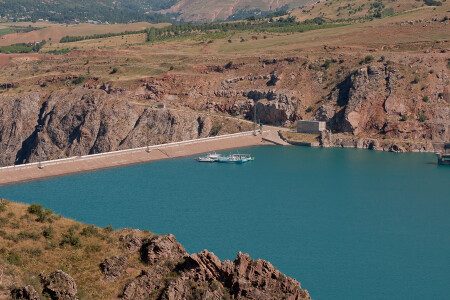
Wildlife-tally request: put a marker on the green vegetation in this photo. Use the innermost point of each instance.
(22, 48)
(425, 99)
(71, 238)
(366, 60)
(404, 118)
(416, 80)
(105, 10)
(281, 26)
(59, 51)
(422, 118)
(17, 29)
(432, 3)
(42, 214)
(78, 80)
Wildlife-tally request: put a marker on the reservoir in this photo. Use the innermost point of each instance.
(346, 223)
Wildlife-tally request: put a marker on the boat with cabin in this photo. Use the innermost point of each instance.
(236, 158)
(210, 157)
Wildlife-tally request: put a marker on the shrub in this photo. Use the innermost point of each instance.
(229, 65)
(366, 60)
(422, 118)
(35, 209)
(416, 80)
(425, 99)
(441, 95)
(70, 238)
(215, 130)
(404, 118)
(48, 232)
(3, 221)
(89, 231)
(309, 109)
(114, 71)
(14, 258)
(42, 214)
(108, 229)
(24, 235)
(3, 204)
(327, 64)
(78, 80)
(171, 68)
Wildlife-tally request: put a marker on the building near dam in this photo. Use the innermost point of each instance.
(312, 127)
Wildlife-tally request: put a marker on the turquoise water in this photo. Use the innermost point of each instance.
(346, 223)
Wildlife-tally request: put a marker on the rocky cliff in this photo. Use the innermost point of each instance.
(81, 121)
(56, 258)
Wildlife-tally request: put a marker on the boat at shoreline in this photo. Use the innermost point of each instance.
(210, 157)
(235, 158)
(232, 158)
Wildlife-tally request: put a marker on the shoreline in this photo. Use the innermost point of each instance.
(74, 165)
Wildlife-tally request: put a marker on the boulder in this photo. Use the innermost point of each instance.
(60, 286)
(164, 247)
(25, 293)
(113, 267)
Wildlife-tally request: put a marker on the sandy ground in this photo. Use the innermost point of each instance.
(110, 160)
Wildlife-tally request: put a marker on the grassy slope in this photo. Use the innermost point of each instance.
(25, 252)
(345, 9)
(136, 59)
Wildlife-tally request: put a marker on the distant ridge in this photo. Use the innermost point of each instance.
(141, 10)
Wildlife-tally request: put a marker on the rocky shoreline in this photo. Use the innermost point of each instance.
(87, 262)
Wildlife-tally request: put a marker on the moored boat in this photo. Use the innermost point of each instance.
(210, 157)
(236, 158)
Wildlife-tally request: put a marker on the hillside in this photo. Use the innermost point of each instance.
(154, 11)
(215, 10)
(354, 9)
(43, 255)
(380, 84)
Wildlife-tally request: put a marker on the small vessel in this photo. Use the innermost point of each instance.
(210, 157)
(444, 157)
(236, 158)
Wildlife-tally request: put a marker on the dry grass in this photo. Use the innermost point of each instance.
(25, 258)
(300, 137)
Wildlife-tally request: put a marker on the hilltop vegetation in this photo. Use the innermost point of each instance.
(354, 9)
(154, 11)
(49, 257)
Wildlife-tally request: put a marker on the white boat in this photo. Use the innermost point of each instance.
(236, 158)
(210, 157)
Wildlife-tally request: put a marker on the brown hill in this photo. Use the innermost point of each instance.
(44, 254)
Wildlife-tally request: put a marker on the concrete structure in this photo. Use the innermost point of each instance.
(444, 158)
(312, 127)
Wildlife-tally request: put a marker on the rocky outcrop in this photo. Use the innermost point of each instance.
(81, 122)
(60, 286)
(176, 275)
(274, 107)
(160, 248)
(113, 267)
(18, 117)
(327, 139)
(25, 293)
(131, 242)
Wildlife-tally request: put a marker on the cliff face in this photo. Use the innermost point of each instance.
(402, 101)
(87, 262)
(81, 121)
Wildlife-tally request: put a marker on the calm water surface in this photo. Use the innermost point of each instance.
(348, 224)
